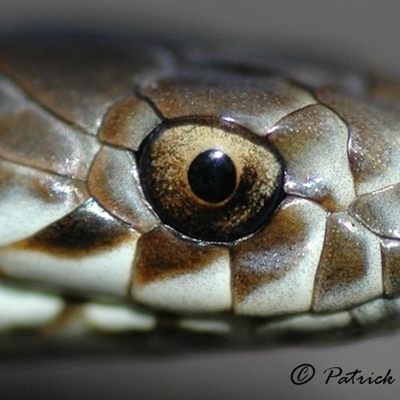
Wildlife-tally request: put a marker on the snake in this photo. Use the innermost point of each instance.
(151, 187)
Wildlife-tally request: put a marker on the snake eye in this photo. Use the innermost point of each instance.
(210, 181)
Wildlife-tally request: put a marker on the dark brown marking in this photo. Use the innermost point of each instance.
(390, 251)
(161, 254)
(342, 263)
(79, 234)
(269, 254)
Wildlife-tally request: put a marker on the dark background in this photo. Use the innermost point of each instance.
(368, 28)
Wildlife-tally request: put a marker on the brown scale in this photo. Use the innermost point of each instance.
(177, 97)
(256, 260)
(365, 124)
(342, 263)
(390, 250)
(113, 182)
(77, 78)
(294, 136)
(223, 95)
(128, 122)
(369, 210)
(34, 138)
(161, 254)
(79, 234)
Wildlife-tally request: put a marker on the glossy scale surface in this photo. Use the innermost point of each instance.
(322, 156)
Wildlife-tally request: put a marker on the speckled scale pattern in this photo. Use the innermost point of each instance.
(75, 220)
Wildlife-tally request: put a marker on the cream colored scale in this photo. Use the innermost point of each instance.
(143, 187)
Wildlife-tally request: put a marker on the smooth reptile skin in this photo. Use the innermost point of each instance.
(101, 231)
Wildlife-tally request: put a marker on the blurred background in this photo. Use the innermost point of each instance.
(370, 29)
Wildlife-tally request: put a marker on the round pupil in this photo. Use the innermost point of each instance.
(212, 176)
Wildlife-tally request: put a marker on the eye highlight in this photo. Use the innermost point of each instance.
(211, 181)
